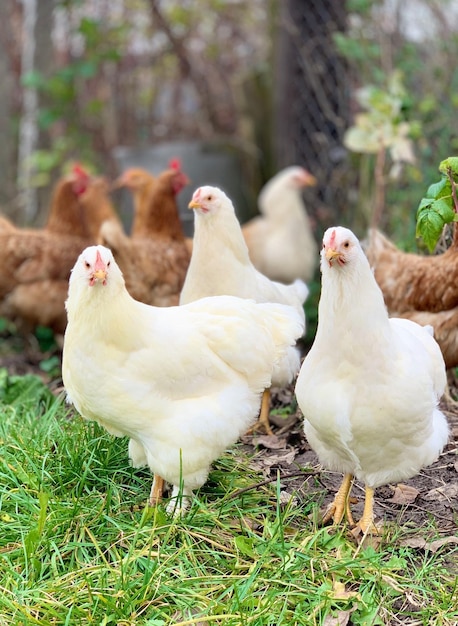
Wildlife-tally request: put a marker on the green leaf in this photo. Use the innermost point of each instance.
(425, 204)
(439, 189)
(51, 365)
(362, 139)
(432, 215)
(245, 545)
(450, 164)
(444, 208)
(87, 69)
(429, 228)
(48, 117)
(24, 390)
(33, 80)
(45, 337)
(88, 27)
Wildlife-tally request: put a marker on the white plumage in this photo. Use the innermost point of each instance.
(370, 386)
(182, 382)
(220, 265)
(280, 240)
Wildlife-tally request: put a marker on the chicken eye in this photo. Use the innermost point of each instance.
(108, 263)
(210, 198)
(87, 264)
(347, 244)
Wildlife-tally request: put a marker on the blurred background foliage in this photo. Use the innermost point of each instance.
(403, 59)
(363, 93)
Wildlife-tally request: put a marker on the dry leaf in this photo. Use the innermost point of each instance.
(414, 542)
(404, 494)
(341, 619)
(287, 498)
(339, 591)
(443, 493)
(269, 441)
(432, 546)
(438, 543)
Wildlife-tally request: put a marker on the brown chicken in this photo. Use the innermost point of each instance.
(422, 288)
(36, 263)
(155, 258)
(141, 183)
(148, 218)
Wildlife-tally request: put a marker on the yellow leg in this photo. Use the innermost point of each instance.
(366, 523)
(263, 420)
(156, 492)
(340, 506)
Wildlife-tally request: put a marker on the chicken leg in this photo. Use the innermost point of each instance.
(366, 523)
(340, 506)
(263, 420)
(157, 489)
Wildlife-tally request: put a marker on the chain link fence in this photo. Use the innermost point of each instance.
(313, 100)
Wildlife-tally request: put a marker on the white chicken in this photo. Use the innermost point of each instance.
(370, 386)
(183, 383)
(220, 265)
(280, 241)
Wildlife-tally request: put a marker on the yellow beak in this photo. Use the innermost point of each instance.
(194, 204)
(100, 274)
(309, 180)
(331, 254)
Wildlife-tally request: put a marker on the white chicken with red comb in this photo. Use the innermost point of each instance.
(280, 240)
(370, 386)
(220, 265)
(183, 383)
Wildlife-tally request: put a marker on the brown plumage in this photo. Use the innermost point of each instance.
(155, 258)
(141, 183)
(422, 288)
(65, 215)
(36, 263)
(97, 207)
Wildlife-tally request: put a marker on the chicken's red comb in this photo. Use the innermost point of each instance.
(79, 170)
(175, 164)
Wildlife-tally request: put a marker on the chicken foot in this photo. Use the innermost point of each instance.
(263, 420)
(340, 506)
(179, 500)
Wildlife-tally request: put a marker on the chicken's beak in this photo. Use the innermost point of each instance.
(194, 204)
(100, 274)
(331, 254)
(308, 180)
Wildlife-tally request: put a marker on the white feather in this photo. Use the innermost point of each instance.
(182, 382)
(370, 386)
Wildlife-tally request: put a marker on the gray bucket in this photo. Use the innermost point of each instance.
(205, 163)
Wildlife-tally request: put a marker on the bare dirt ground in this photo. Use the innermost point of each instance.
(427, 500)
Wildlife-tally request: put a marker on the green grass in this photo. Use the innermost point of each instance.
(78, 545)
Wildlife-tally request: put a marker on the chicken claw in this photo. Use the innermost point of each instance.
(263, 420)
(179, 501)
(340, 506)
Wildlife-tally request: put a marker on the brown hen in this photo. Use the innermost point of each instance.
(155, 258)
(422, 288)
(36, 263)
